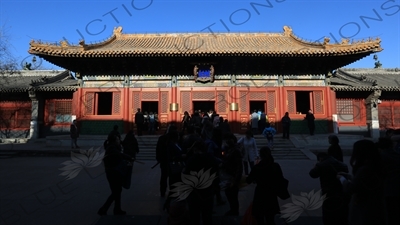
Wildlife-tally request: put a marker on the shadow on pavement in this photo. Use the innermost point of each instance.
(217, 220)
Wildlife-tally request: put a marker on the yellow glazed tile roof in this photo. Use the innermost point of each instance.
(197, 44)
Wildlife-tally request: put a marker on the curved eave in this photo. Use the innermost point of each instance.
(99, 54)
(363, 88)
(72, 88)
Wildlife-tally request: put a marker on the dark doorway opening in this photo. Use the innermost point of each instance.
(104, 103)
(258, 105)
(150, 107)
(203, 106)
(303, 101)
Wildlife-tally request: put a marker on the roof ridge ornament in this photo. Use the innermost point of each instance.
(117, 31)
(287, 31)
(82, 43)
(326, 40)
(64, 43)
(345, 41)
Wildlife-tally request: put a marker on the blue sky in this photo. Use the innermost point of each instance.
(54, 20)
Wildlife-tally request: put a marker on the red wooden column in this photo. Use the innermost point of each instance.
(125, 112)
(328, 105)
(234, 114)
(79, 102)
(174, 99)
(282, 103)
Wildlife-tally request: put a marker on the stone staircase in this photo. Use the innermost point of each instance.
(283, 148)
(147, 147)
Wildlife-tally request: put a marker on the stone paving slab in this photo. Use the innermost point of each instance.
(217, 220)
(306, 142)
(32, 191)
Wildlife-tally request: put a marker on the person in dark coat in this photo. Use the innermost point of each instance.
(116, 132)
(185, 121)
(391, 162)
(196, 120)
(335, 150)
(162, 158)
(286, 121)
(74, 134)
(365, 184)
(310, 121)
(262, 122)
(113, 163)
(175, 155)
(200, 201)
(139, 121)
(130, 144)
(233, 166)
(189, 139)
(213, 140)
(226, 127)
(265, 174)
(335, 207)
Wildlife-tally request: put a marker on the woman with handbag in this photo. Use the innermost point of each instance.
(115, 163)
(267, 175)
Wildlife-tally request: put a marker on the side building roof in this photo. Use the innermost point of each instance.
(347, 79)
(38, 80)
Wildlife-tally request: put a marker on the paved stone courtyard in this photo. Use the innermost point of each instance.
(33, 192)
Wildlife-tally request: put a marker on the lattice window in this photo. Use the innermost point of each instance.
(396, 116)
(164, 102)
(63, 111)
(291, 102)
(185, 101)
(257, 96)
(389, 115)
(344, 106)
(116, 103)
(207, 95)
(357, 111)
(23, 118)
(16, 116)
(222, 102)
(50, 111)
(385, 116)
(150, 96)
(345, 110)
(271, 102)
(136, 101)
(318, 102)
(7, 118)
(89, 103)
(243, 101)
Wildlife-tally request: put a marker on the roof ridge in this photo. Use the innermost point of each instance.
(371, 69)
(356, 78)
(35, 73)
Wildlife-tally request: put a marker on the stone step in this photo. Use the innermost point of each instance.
(277, 153)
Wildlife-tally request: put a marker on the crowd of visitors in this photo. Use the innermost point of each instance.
(365, 192)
